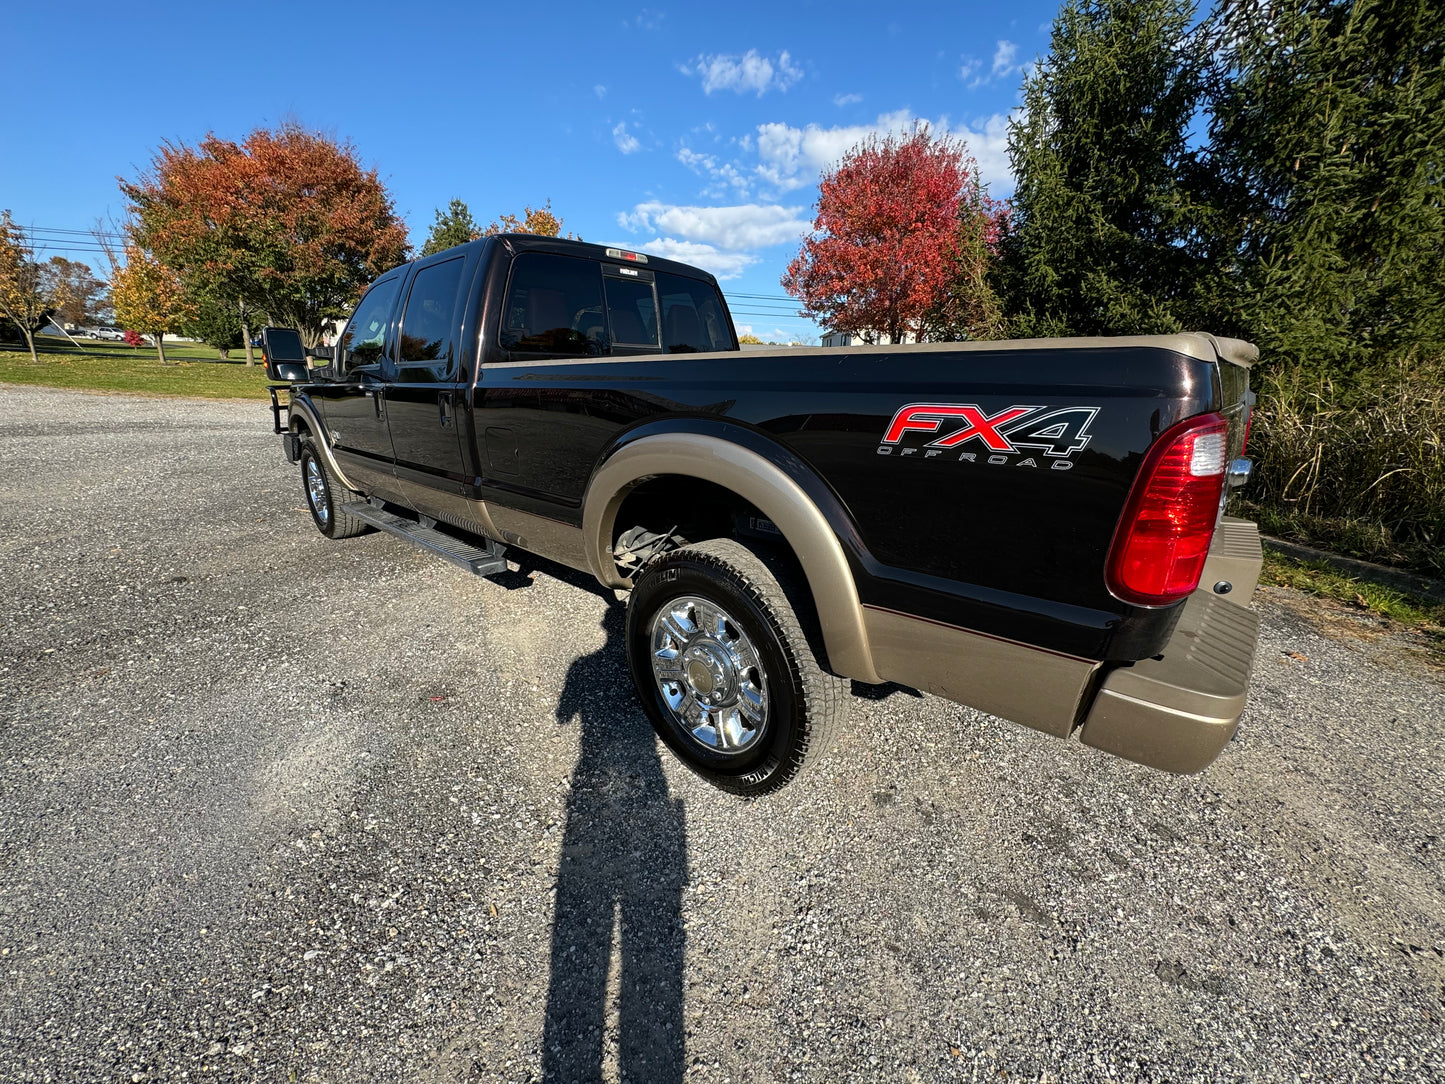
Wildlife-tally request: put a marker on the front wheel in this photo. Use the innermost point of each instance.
(324, 497)
(725, 669)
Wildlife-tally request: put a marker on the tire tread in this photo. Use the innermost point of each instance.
(772, 587)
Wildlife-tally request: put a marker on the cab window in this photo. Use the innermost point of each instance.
(554, 306)
(364, 340)
(426, 347)
(632, 311)
(693, 319)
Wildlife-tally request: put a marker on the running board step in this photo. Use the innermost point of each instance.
(481, 562)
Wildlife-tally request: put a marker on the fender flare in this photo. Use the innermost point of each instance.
(767, 487)
(303, 409)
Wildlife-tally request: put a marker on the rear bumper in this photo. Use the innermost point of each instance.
(1178, 711)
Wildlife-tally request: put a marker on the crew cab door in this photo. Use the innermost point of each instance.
(423, 403)
(354, 406)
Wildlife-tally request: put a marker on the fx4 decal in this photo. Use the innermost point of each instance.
(1058, 432)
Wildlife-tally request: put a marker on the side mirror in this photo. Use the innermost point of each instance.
(285, 356)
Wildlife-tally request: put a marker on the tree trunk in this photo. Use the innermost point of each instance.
(30, 342)
(246, 339)
(161, 347)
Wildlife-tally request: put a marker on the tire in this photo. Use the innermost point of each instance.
(325, 497)
(724, 666)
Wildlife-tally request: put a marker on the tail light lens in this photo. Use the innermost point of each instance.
(1163, 538)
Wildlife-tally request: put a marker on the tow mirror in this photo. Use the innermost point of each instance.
(285, 356)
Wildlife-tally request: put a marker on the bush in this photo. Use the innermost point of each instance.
(1356, 467)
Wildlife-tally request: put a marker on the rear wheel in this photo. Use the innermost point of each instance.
(725, 669)
(325, 497)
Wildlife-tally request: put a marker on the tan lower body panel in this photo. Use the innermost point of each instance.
(1177, 712)
(1235, 558)
(1037, 688)
(560, 542)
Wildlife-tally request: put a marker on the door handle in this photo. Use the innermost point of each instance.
(444, 404)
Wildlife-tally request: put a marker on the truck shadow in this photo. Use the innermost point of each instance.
(619, 883)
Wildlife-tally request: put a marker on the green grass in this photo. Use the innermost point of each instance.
(1320, 580)
(197, 370)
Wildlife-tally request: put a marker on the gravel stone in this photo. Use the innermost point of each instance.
(279, 808)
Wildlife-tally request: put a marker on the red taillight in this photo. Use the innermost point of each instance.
(1163, 538)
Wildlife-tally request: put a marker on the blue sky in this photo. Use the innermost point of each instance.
(697, 132)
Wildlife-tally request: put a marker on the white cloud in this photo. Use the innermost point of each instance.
(625, 140)
(1005, 63)
(600, 91)
(647, 19)
(730, 229)
(791, 158)
(1004, 58)
(727, 177)
(725, 265)
(840, 100)
(750, 72)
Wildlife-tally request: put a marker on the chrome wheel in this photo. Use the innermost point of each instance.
(316, 491)
(709, 674)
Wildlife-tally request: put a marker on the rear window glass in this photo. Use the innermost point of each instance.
(693, 319)
(554, 306)
(633, 312)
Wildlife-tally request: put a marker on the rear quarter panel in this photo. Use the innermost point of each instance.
(1004, 543)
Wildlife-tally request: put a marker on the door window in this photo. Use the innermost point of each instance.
(364, 340)
(428, 324)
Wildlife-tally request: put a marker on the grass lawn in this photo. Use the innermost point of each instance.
(1322, 581)
(114, 367)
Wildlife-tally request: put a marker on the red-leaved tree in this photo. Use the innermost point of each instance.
(895, 244)
(285, 223)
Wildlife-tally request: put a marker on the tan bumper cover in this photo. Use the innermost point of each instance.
(1177, 711)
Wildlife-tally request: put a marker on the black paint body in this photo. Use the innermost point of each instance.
(1009, 550)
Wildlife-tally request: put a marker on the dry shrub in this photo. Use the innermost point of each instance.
(1358, 467)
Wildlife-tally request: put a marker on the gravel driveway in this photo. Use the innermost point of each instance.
(276, 808)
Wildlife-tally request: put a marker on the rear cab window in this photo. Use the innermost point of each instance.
(570, 306)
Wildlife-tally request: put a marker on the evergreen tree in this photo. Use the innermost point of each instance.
(1108, 204)
(1330, 134)
(453, 228)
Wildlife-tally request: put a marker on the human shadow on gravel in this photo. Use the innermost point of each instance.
(623, 867)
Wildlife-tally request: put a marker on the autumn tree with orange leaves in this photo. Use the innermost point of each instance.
(539, 220)
(148, 297)
(901, 243)
(285, 224)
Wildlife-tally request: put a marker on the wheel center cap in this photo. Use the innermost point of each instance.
(700, 678)
(709, 675)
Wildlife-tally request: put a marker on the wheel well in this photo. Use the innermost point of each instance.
(665, 511)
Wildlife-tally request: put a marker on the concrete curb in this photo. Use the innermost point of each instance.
(1408, 583)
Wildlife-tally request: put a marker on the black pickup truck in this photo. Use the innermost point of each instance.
(1033, 528)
